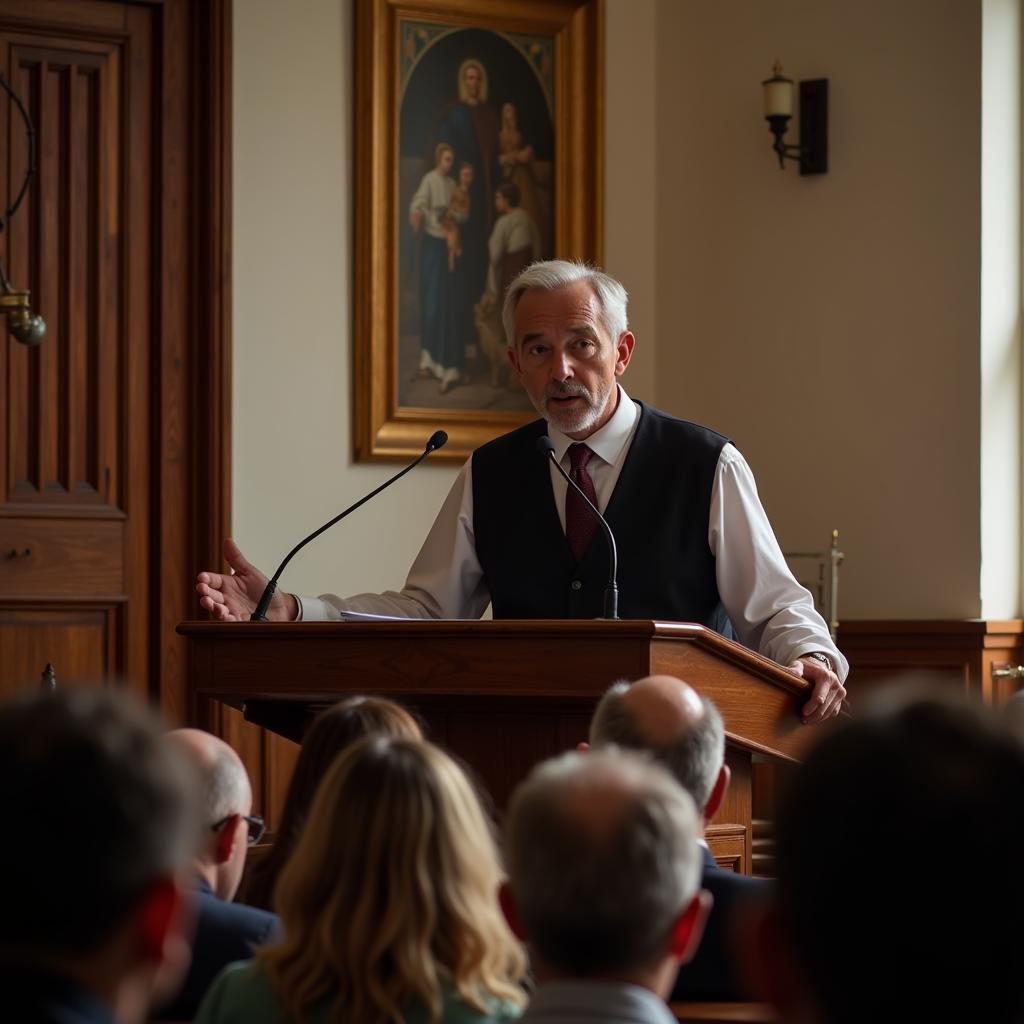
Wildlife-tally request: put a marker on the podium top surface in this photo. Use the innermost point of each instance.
(539, 660)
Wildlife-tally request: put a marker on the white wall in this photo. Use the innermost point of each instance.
(632, 176)
(830, 324)
(293, 195)
(292, 346)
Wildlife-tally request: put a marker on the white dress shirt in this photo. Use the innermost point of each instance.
(770, 611)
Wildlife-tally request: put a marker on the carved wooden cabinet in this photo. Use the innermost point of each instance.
(109, 496)
(74, 510)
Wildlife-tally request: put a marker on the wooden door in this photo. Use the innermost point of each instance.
(109, 495)
(74, 446)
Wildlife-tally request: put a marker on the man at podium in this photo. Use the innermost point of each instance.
(695, 544)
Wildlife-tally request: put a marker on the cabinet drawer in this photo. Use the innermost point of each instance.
(71, 557)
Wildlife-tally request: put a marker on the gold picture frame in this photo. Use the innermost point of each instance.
(514, 90)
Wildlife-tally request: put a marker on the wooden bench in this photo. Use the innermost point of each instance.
(738, 1013)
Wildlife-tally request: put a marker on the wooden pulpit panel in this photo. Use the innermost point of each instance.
(501, 695)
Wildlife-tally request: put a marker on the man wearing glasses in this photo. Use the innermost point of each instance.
(225, 931)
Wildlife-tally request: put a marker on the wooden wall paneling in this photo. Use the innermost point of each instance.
(212, 164)
(731, 847)
(36, 554)
(119, 421)
(195, 208)
(957, 653)
(171, 491)
(55, 447)
(66, 504)
(280, 756)
(140, 340)
(1003, 648)
(81, 638)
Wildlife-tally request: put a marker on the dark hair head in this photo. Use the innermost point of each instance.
(511, 193)
(331, 733)
(98, 808)
(897, 848)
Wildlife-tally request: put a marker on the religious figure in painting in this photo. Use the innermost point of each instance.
(458, 213)
(516, 159)
(470, 127)
(474, 211)
(441, 353)
(514, 243)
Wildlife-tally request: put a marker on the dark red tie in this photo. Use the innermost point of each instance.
(580, 522)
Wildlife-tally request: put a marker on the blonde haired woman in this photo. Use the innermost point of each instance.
(389, 905)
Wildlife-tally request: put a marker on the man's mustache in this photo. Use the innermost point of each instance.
(563, 389)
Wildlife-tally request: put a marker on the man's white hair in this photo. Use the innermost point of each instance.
(225, 787)
(549, 275)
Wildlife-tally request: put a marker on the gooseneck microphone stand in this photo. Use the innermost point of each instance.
(437, 440)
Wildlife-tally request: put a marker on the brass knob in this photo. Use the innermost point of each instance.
(1008, 672)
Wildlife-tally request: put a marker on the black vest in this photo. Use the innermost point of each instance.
(658, 513)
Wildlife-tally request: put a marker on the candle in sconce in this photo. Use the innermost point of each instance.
(778, 94)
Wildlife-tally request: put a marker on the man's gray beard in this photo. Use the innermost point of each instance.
(585, 419)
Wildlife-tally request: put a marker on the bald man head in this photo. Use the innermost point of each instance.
(669, 719)
(226, 801)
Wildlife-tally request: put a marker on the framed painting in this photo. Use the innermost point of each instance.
(479, 148)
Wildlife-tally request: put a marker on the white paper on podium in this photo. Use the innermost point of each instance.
(369, 617)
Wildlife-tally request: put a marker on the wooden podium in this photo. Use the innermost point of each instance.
(502, 695)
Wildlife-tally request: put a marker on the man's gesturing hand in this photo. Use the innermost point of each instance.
(827, 696)
(232, 597)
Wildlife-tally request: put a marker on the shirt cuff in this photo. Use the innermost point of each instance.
(314, 609)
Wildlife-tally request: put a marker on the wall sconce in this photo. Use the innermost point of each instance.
(28, 329)
(812, 152)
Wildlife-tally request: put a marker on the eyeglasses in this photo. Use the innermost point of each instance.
(257, 826)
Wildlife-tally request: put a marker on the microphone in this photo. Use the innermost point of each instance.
(611, 591)
(437, 440)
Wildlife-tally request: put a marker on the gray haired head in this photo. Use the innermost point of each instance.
(602, 859)
(224, 787)
(551, 275)
(694, 756)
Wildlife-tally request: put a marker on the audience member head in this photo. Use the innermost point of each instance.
(225, 806)
(105, 819)
(604, 869)
(333, 731)
(897, 873)
(392, 891)
(667, 718)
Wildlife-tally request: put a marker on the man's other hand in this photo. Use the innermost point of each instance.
(828, 694)
(234, 597)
